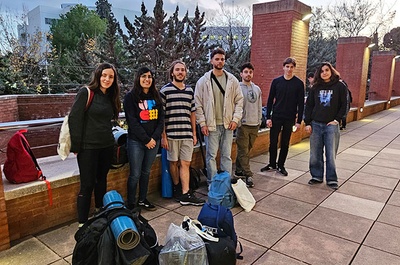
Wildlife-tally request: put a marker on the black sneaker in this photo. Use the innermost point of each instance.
(268, 168)
(249, 182)
(190, 199)
(333, 186)
(282, 170)
(146, 205)
(314, 181)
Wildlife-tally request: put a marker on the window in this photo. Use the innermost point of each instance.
(49, 21)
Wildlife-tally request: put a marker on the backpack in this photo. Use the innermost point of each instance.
(96, 234)
(120, 154)
(221, 192)
(21, 165)
(64, 140)
(219, 220)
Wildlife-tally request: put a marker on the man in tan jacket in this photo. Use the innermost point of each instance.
(219, 107)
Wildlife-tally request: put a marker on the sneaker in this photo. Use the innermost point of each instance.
(146, 205)
(282, 170)
(249, 182)
(314, 181)
(190, 199)
(333, 186)
(268, 168)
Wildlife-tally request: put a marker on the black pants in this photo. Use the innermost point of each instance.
(279, 125)
(93, 167)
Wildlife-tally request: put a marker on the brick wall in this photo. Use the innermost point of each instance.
(396, 78)
(44, 139)
(4, 234)
(9, 108)
(352, 60)
(382, 71)
(278, 32)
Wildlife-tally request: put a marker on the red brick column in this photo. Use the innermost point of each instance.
(396, 78)
(4, 233)
(352, 59)
(382, 73)
(278, 32)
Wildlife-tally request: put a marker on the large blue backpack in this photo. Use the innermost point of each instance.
(221, 192)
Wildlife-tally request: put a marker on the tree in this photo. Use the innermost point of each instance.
(79, 21)
(391, 40)
(230, 28)
(321, 47)
(22, 60)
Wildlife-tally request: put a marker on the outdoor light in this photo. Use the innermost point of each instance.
(294, 128)
(307, 17)
(361, 109)
(371, 45)
(389, 102)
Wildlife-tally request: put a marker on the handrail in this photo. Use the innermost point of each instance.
(36, 123)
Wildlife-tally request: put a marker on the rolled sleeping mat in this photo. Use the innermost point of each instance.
(120, 135)
(123, 228)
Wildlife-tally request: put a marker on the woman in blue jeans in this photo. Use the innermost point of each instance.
(145, 117)
(325, 106)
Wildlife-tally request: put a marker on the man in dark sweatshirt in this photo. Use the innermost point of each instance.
(285, 101)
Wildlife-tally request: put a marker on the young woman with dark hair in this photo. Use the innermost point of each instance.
(91, 135)
(325, 106)
(145, 117)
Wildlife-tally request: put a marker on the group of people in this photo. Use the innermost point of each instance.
(219, 104)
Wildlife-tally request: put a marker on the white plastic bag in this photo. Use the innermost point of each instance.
(183, 248)
(64, 140)
(243, 195)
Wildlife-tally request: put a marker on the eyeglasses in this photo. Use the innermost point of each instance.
(146, 76)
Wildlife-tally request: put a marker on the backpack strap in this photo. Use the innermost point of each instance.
(218, 84)
(90, 98)
(40, 173)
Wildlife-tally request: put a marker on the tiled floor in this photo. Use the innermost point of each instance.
(292, 222)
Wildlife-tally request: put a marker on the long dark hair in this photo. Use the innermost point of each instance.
(333, 79)
(113, 91)
(137, 89)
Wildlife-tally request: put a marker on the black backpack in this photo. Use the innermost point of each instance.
(96, 235)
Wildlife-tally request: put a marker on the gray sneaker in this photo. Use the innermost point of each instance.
(190, 199)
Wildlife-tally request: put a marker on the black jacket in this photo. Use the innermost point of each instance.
(145, 118)
(326, 102)
(91, 129)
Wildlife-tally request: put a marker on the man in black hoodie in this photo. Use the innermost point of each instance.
(285, 101)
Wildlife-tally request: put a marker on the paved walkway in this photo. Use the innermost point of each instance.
(292, 222)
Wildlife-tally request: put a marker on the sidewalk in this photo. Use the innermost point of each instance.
(292, 222)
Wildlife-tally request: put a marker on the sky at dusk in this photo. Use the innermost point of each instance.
(170, 5)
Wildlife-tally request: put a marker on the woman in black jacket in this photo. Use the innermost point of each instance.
(325, 106)
(145, 117)
(91, 135)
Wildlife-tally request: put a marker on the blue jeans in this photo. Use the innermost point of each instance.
(140, 161)
(221, 138)
(327, 136)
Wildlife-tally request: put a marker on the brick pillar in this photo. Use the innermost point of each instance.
(278, 33)
(4, 234)
(396, 78)
(352, 59)
(382, 72)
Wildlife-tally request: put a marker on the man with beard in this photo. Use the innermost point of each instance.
(249, 124)
(219, 107)
(179, 136)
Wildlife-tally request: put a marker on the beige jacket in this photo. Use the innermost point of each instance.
(204, 100)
